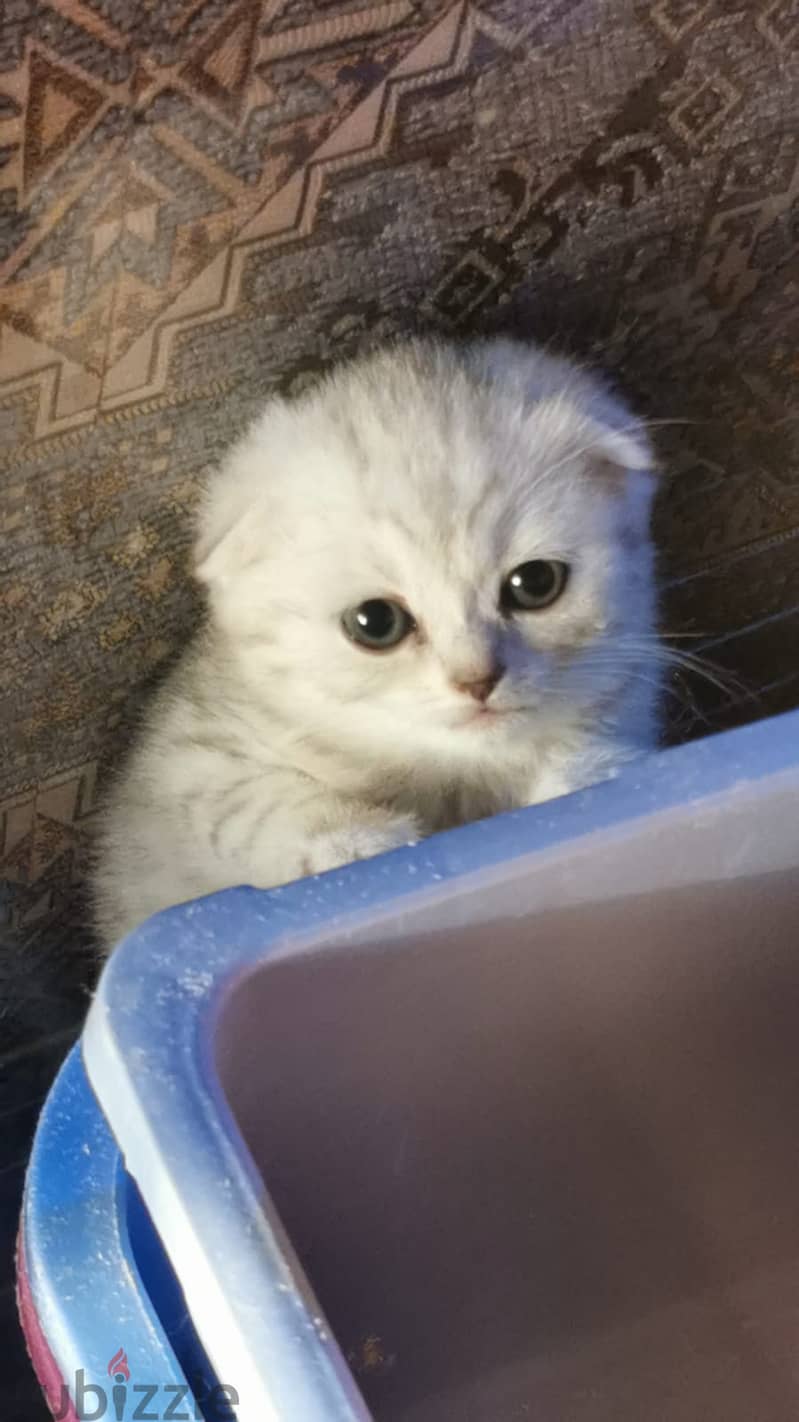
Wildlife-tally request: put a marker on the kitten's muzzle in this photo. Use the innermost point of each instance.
(480, 688)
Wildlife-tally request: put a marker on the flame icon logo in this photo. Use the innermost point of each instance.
(118, 1366)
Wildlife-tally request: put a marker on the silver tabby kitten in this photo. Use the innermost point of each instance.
(431, 597)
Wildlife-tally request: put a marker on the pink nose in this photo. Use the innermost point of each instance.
(481, 687)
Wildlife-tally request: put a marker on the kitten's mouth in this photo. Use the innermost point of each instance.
(485, 716)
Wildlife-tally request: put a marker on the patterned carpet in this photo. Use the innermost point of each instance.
(201, 200)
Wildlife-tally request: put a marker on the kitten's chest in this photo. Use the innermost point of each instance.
(460, 799)
(448, 796)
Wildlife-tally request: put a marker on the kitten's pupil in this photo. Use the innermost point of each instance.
(534, 585)
(376, 619)
(379, 623)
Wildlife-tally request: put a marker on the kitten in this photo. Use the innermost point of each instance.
(431, 597)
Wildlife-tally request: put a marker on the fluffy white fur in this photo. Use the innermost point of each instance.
(278, 748)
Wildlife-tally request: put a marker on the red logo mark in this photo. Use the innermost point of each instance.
(118, 1367)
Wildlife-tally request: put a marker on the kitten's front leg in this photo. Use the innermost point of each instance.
(324, 834)
(354, 834)
(566, 773)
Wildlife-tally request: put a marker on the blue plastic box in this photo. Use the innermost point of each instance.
(500, 1126)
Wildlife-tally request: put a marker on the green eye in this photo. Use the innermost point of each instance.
(534, 585)
(378, 624)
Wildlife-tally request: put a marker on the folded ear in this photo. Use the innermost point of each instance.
(220, 545)
(574, 399)
(614, 453)
(229, 546)
(232, 512)
(621, 462)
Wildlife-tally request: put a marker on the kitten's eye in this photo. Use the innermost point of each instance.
(378, 624)
(533, 586)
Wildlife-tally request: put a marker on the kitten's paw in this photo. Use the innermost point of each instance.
(590, 767)
(362, 838)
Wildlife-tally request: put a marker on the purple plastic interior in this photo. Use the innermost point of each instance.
(547, 1166)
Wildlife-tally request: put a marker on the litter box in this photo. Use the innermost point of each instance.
(499, 1127)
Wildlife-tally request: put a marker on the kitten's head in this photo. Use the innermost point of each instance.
(436, 553)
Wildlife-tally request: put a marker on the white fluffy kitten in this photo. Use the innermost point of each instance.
(431, 598)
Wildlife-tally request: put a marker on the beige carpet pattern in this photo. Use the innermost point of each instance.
(203, 200)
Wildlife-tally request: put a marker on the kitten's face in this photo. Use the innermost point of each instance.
(422, 565)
